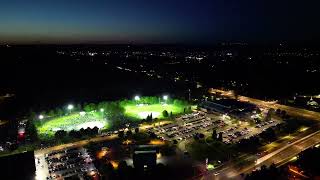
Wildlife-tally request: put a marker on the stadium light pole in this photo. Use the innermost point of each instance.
(70, 107)
(165, 98)
(137, 98)
(40, 117)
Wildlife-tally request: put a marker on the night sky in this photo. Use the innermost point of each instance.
(157, 21)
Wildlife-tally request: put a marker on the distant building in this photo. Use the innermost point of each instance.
(18, 167)
(144, 157)
(230, 106)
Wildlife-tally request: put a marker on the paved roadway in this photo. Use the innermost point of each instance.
(74, 144)
(279, 157)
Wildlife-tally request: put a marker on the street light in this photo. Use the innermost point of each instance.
(101, 110)
(40, 117)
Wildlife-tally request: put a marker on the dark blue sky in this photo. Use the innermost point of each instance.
(157, 21)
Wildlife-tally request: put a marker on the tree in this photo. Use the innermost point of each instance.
(89, 107)
(74, 134)
(129, 133)
(269, 114)
(120, 134)
(165, 113)
(268, 134)
(149, 118)
(51, 113)
(283, 113)
(78, 107)
(258, 110)
(60, 134)
(214, 135)
(220, 138)
(32, 131)
(136, 130)
(95, 130)
(59, 112)
(201, 136)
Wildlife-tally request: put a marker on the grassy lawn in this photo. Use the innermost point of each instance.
(70, 122)
(141, 112)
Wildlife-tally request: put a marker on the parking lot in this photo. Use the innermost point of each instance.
(65, 163)
(187, 126)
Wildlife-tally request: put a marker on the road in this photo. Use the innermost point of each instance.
(278, 157)
(74, 144)
(293, 111)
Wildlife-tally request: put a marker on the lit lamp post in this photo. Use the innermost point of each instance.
(70, 107)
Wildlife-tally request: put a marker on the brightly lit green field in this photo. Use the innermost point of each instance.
(75, 121)
(142, 111)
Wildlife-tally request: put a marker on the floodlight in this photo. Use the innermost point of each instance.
(137, 98)
(165, 97)
(70, 107)
(41, 116)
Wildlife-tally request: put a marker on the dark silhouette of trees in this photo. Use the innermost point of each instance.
(267, 173)
(129, 134)
(220, 138)
(309, 161)
(165, 113)
(214, 134)
(60, 134)
(121, 134)
(136, 130)
(268, 135)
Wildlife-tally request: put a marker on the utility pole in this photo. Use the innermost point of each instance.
(189, 94)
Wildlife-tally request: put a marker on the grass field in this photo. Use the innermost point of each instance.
(48, 127)
(142, 111)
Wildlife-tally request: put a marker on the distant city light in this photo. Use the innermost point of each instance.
(41, 117)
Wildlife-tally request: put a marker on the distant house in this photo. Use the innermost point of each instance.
(18, 167)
